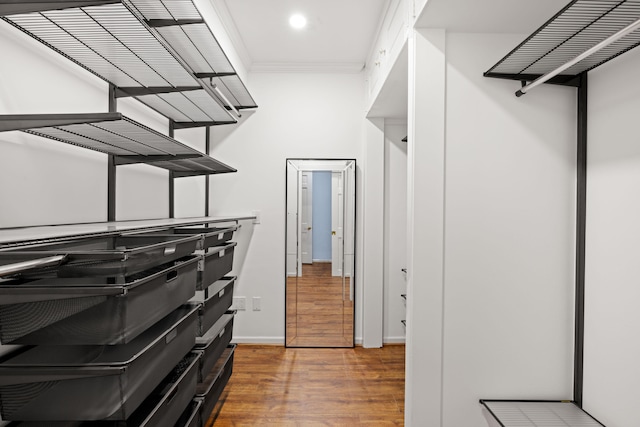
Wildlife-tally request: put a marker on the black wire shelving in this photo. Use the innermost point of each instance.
(112, 133)
(539, 413)
(582, 36)
(161, 52)
(581, 25)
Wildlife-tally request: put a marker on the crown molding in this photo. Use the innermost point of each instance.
(307, 67)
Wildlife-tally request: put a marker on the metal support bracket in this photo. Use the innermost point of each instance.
(581, 208)
(525, 78)
(210, 75)
(187, 125)
(111, 162)
(124, 92)
(129, 160)
(157, 23)
(172, 196)
(207, 185)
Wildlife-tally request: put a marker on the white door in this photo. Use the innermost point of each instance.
(306, 217)
(337, 232)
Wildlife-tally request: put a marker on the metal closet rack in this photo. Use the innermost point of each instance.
(112, 133)
(582, 36)
(160, 52)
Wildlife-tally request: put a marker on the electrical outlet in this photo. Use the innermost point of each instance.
(239, 303)
(257, 303)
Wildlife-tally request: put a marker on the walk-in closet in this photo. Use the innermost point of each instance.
(285, 213)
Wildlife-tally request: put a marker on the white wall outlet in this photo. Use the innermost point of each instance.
(257, 303)
(239, 303)
(256, 220)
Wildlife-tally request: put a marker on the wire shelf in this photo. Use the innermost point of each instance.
(192, 106)
(207, 58)
(194, 166)
(160, 44)
(115, 134)
(581, 25)
(167, 9)
(538, 413)
(195, 43)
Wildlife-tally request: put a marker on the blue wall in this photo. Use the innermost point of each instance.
(321, 221)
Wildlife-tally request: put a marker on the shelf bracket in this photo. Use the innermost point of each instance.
(129, 160)
(157, 23)
(124, 92)
(14, 7)
(212, 75)
(196, 173)
(187, 125)
(563, 80)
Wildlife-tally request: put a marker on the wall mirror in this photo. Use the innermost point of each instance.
(320, 258)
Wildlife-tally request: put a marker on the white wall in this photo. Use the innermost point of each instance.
(190, 191)
(425, 223)
(395, 230)
(299, 116)
(506, 325)
(509, 240)
(46, 182)
(39, 178)
(612, 318)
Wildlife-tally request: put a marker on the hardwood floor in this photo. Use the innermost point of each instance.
(309, 387)
(319, 310)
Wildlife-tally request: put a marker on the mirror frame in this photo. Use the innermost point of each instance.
(295, 163)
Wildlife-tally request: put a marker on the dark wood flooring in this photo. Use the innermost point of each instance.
(309, 387)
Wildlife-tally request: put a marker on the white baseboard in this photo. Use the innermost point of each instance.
(280, 340)
(258, 340)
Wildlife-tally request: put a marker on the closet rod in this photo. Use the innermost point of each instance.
(225, 100)
(604, 43)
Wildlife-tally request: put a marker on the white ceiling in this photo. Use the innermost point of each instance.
(489, 16)
(472, 16)
(339, 34)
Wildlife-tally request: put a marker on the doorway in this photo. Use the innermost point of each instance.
(320, 253)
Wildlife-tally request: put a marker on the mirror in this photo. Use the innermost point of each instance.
(320, 258)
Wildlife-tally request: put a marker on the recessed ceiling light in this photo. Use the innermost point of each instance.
(298, 21)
